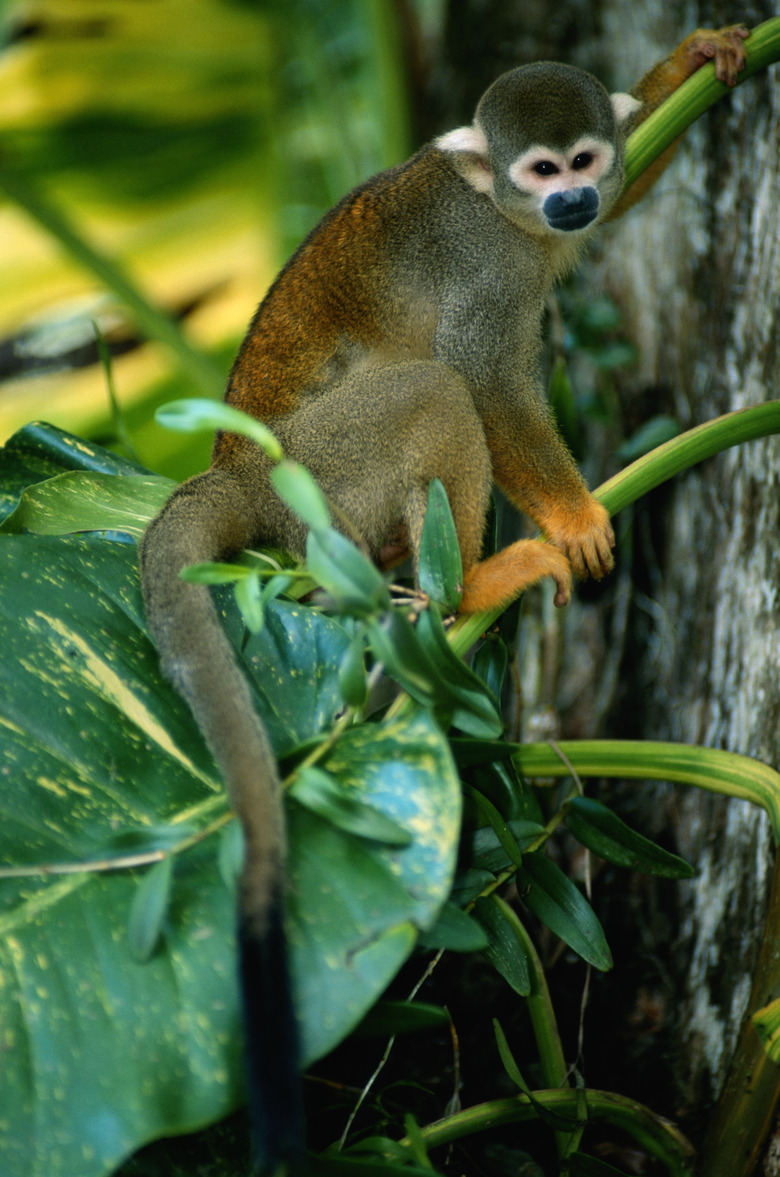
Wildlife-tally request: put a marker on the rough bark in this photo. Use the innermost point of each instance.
(687, 644)
(696, 272)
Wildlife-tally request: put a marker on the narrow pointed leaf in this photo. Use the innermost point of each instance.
(474, 710)
(148, 910)
(455, 931)
(561, 906)
(394, 642)
(504, 950)
(500, 828)
(346, 574)
(581, 1165)
(603, 832)
(440, 571)
(296, 486)
(320, 792)
(198, 415)
(249, 598)
(353, 682)
(401, 1017)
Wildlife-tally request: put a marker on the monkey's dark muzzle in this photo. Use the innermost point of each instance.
(574, 209)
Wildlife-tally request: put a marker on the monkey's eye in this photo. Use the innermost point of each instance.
(583, 160)
(546, 167)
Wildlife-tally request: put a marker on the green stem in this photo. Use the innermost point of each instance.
(153, 322)
(696, 95)
(748, 1103)
(540, 1005)
(706, 768)
(687, 450)
(660, 1138)
(649, 471)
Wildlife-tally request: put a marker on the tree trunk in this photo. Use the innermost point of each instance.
(696, 273)
(687, 646)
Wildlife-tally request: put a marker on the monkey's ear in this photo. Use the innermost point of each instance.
(468, 149)
(624, 105)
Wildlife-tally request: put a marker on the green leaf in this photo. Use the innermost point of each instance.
(198, 415)
(440, 571)
(473, 708)
(490, 854)
(653, 433)
(603, 832)
(293, 665)
(581, 1165)
(149, 908)
(470, 751)
(353, 681)
(230, 854)
(558, 903)
(296, 486)
(348, 577)
(320, 792)
(767, 1022)
(354, 904)
(96, 741)
(504, 951)
(249, 597)
(499, 827)
(401, 1017)
(214, 573)
(79, 501)
(707, 768)
(551, 1118)
(455, 931)
(343, 1165)
(394, 642)
(490, 663)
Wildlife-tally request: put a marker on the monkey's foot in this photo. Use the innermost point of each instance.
(721, 46)
(497, 581)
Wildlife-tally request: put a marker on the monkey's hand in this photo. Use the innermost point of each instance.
(497, 581)
(721, 46)
(586, 537)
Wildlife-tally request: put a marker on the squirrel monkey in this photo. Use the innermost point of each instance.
(400, 343)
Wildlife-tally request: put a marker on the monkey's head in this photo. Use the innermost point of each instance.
(547, 146)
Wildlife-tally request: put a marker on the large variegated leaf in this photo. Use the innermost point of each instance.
(102, 762)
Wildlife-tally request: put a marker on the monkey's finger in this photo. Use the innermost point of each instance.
(594, 555)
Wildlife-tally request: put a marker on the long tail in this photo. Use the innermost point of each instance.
(209, 518)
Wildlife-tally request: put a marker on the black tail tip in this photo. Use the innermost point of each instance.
(272, 1051)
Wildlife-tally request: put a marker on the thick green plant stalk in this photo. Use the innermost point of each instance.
(707, 768)
(701, 91)
(748, 1105)
(686, 450)
(660, 1138)
(540, 1005)
(649, 471)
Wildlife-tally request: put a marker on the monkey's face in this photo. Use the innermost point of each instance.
(547, 146)
(560, 188)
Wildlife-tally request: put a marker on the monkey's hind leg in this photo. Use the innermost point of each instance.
(497, 581)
